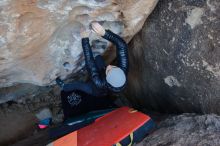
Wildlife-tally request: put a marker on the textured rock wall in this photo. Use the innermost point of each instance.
(175, 59)
(186, 130)
(39, 39)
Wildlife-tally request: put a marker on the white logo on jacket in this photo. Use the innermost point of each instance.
(74, 99)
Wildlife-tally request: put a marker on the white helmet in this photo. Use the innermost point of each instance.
(116, 77)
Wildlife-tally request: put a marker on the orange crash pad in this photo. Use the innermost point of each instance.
(109, 130)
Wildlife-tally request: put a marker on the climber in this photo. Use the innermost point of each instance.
(103, 79)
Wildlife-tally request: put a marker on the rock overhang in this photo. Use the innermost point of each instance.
(39, 39)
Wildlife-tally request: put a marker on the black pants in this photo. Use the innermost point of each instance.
(76, 103)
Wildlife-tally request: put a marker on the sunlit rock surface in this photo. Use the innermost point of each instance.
(39, 39)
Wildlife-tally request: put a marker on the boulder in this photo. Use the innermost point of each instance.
(40, 39)
(175, 59)
(186, 129)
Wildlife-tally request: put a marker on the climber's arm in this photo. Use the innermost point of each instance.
(90, 64)
(122, 49)
(121, 46)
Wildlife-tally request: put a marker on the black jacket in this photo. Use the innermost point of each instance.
(122, 61)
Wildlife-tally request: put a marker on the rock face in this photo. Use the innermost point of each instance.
(180, 70)
(186, 129)
(39, 39)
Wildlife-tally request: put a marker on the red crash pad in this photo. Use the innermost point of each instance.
(107, 130)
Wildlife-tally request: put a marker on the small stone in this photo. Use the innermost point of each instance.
(43, 114)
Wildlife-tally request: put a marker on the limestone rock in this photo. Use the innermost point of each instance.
(186, 130)
(39, 39)
(180, 50)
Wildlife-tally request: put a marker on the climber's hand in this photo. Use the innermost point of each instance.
(84, 33)
(98, 28)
